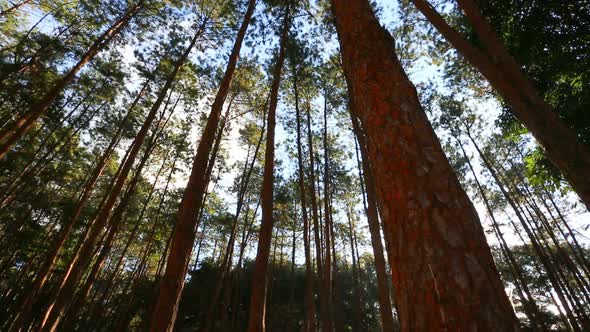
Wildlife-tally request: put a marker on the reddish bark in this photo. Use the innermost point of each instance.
(257, 309)
(115, 222)
(172, 283)
(309, 325)
(368, 185)
(44, 270)
(443, 272)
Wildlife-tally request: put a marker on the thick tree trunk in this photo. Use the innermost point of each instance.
(560, 142)
(368, 185)
(443, 271)
(11, 135)
(256, 320)
(172, 283)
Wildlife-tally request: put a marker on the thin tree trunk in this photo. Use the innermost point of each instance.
(531, 309)
(494, 62)
(226, 262)
(57, 308)
(309, 304)
(44, 272)
(325, 317)
(327, 218)
(182, 239)
(355, 274)
(368, 185)
(11, 135)
(440, 258)
(552, 274)
(118, 217)
(256, 319)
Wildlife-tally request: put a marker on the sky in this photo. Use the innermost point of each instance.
(422, 71)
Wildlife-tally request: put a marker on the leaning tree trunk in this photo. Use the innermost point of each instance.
(531, 309)
(443, 272)
(116, 221)
(494, 62)
(256, 319)
(172, 283)
(54, 313)
(11, 135)
(368, 185)
(44, 271)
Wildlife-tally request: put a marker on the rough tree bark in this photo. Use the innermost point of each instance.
(443, 272)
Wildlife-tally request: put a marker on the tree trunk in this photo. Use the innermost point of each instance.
(538, 248)
(324, 309)
(117, 219)
(11, 135)
(256, 320)
(56, 310)
(355, 272)
(327, 280)
(44, 271)
(309, 304)
(559, 141)
(443, 271)
(368, 185)
(171, 285)
(531, 309)
(226, 262)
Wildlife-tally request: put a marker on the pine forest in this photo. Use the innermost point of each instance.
(295, 165)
